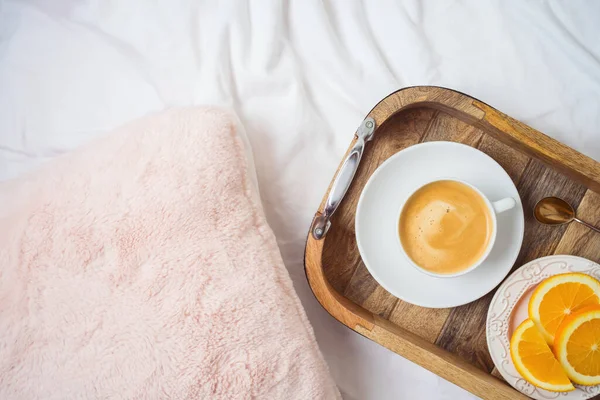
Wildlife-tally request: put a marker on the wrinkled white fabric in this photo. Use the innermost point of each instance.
(301, 75)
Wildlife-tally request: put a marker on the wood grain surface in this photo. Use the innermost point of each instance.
(578, 239)
(451, 342)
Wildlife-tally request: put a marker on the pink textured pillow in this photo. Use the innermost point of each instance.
(141, 266)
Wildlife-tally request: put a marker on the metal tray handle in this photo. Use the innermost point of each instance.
(343, 178)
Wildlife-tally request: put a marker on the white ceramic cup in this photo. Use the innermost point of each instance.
(494, 208)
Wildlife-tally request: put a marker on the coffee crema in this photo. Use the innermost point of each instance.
(445, 227)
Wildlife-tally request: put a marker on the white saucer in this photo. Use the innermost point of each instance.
(382, 198)
(509, 308)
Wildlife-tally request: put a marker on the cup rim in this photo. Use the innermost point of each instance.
(490, 243)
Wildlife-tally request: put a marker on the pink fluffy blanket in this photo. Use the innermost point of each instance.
(141, 266)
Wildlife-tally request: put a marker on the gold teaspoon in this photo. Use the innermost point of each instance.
(555, 211)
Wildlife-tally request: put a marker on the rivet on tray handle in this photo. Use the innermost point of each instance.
(344, 178)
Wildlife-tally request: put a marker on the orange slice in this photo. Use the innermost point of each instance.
(534, 359)
(577, 346)
(560, 296)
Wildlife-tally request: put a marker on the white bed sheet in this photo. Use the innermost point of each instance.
(301, 75)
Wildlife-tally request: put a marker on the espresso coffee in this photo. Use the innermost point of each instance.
(445, 227)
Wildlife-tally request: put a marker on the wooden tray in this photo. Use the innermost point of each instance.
(450, 342)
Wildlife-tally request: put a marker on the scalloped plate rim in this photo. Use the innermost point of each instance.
(497, 325)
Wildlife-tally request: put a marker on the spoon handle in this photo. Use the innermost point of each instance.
(592, 227)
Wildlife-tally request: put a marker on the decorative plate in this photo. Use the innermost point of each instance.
(509, 308)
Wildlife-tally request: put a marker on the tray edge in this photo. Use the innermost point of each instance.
(502, 127)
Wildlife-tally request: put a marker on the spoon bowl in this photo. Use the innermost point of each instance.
(553, 211)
